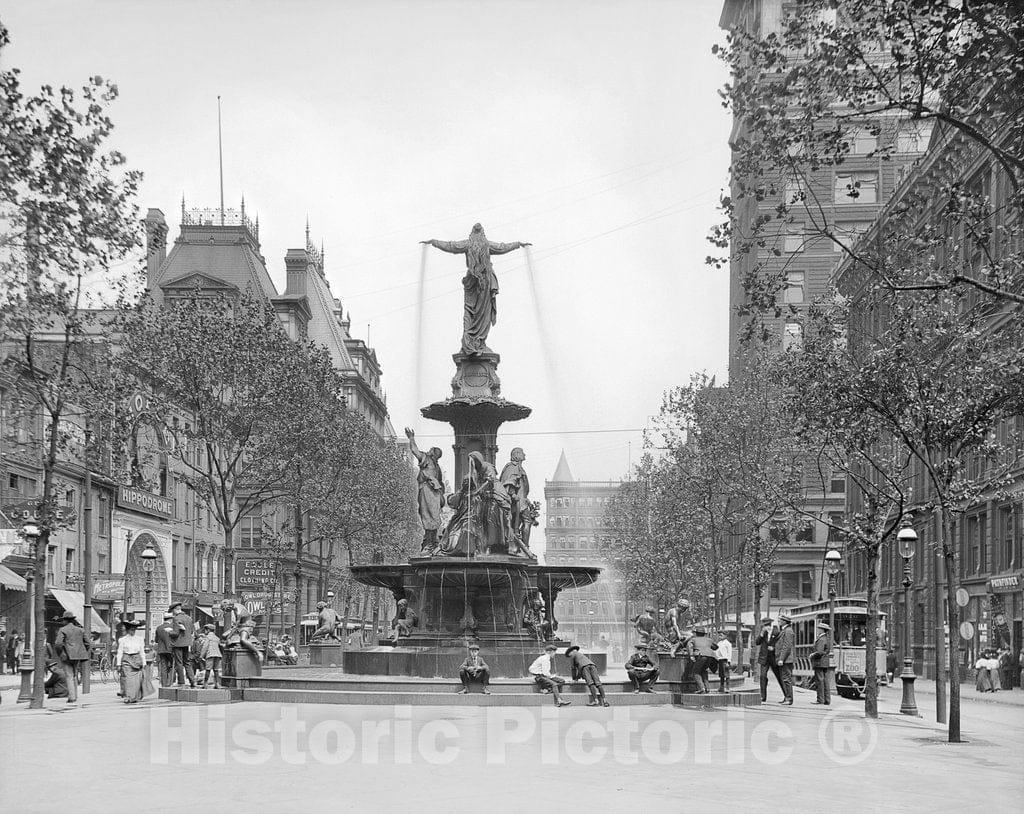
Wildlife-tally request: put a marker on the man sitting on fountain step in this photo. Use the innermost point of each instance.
(543, 672)
(641, 670)
(584, 668)
(474, 670)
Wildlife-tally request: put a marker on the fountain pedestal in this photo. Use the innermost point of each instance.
(476, 409)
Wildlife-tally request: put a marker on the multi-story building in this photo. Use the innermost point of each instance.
(990, 534)
(796, 252)
(596, 616)
(217, 253)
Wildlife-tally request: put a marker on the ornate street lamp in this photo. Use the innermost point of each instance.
(714, 609)
(330, 598)
(907, 540)
(31, 532)
(149, 557)
(833, 562)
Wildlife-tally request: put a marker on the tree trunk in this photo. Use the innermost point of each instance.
(229, 563)
(41, 554)
(940, 634)
(344, 618)
(953, 610)
(870, 673)
(754, 667)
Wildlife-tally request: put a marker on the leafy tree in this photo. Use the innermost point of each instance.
(895, 71)
(361, 488)
(67, 218)
(929, 377)
(825, 389)
(252, 400)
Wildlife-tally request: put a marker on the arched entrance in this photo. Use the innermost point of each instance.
(135, 575)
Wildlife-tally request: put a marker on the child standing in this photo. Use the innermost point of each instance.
(211, 656)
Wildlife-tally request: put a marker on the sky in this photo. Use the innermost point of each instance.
(591, 129)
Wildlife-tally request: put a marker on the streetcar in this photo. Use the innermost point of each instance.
(849, 654)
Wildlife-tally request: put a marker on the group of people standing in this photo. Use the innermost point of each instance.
(994, 670)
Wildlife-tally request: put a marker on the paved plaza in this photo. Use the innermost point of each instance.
(249, 756)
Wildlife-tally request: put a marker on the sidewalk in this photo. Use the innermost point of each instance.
(1010, 698)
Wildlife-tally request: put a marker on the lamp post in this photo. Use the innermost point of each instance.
(714, 609)
(148, 564)
(30, 531)
(833, 561)
(124, 596)
(907, 540)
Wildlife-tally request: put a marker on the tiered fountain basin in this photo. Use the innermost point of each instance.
(459, 601)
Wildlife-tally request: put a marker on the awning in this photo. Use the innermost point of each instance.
(74, 601)
(205, 609)
(11, 580)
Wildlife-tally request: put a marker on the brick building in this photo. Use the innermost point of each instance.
(597, 616)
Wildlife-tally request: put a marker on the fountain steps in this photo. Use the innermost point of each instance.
(443, 692)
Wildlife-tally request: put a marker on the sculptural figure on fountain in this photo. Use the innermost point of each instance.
(480, 285)
(517, 484)
(430, 491)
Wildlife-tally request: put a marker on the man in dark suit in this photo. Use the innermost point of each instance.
(183, 646)
(765, 642)
(163, 639)
(72, 650)
(785, 658)
(820, 657)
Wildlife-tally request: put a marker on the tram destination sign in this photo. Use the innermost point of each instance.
(139, 500)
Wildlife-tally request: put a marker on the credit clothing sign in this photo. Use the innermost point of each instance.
(138, 500)
(253, 572)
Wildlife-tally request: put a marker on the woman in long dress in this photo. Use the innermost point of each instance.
(131, 662)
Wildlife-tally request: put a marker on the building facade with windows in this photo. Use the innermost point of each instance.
(138, 497)
(845, 199)
(989, 535)
(596, 616)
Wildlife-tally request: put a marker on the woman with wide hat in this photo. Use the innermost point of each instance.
(131, 662)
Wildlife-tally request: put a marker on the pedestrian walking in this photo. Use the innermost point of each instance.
(163, 640)
(891, 664)
(12, 651)
(724, 653)
(131, 663)
(474, 670)
(210, 653)
(544, 675)
(72, 650)
(820, 659)
(641, 670)
(785, 652)
(582, 668)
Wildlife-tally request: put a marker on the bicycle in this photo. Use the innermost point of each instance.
(105, 667)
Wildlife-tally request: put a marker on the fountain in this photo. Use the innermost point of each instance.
(475, 578)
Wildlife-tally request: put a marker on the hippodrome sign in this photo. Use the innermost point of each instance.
(128, 497)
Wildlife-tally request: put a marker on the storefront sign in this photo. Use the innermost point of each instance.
(137, 500)
(27, 511)
(253, 572)
(1002, 585)
(105, 589)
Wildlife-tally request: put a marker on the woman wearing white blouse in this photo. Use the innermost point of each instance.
(131, 662)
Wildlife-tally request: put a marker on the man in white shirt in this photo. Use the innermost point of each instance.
(724, 654)
(543, 672)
